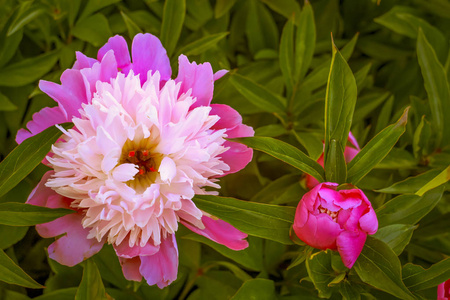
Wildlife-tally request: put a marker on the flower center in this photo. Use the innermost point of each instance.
(142, 155)
(332, 214)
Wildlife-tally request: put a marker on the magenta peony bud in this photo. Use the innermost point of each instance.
(338, 220)
(443, 291)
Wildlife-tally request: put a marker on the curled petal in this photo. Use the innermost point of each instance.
(118, 44)
(221, 232)
(219, 74)
(162, 267)
(130, 268)
(74, 247)
(199, 78)
(125, 251)
(237, 156)
(149, 54)
(353, 141)
(83, 61)
(69, 95)
(350, 245)
(230, 120)
(319, 232)
(45, 118)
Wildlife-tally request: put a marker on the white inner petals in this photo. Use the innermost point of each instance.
(136, 157)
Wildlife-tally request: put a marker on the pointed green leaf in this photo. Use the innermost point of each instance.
(94, 5)
(321, 272)
(305, 42)
(335, 166)
(411, 184)
(93, 29)
(172, 23)
(285, 152)
(258, 95)
(379, 266)
(222, 7)
(28, 70)
(436, 85)
(285, 7)
(417, 278)
(25, 14)
(5, 104)
(262, 220)
(441, 178)
(201, 45)
(340, 102)
(91, 286)
(13, 274)
(132, 27)
(287, 55)
(25, 157)
(421, 141)
(260, 28)
(408, 209)
(376, 149)
(19, 214)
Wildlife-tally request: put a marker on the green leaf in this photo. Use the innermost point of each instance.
(441, 178)
(5, 104)
(201, 45)
(417, 278)
(26, 13)
(62, 294)
(91, 286)
(436, 85)
(340, 104)
(94, 5)
(411, 184)
(172, 23)
(287, 55)
(361, 76)
(286, 8)
(109, 267)
(250, 257)
(258, 95)
(366, 104)
(261, 29)
(321, 272)
(385, 114)
(376, 149)
(11, 235)
(93, 29)
(132, 27)
(271, 191)
(285, 152)
(421, 141)
(256, 289)
(222, 7)
(262, 220)
(312, 142)
(13, 274)
(379, 266)
(336, 168)
(408, 209)
(396, 236)
(305, 42)
(19, 214)
(8, 45)
(28, 70)
(25, 157)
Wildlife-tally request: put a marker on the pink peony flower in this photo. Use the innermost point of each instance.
(141, 147)
(349, 154)
(443, 291)
(338, 220)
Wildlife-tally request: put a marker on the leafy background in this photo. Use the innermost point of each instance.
(392, 67)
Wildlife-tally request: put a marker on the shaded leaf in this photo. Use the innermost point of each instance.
(19, 214)
(25, 157)
(379, 266)
(441, 178)
(13, 274)
(285, 152)
(259, 288)
(411, 184)
(132, 27)
(201, 45)
(262, 220)
(91, 286)
(417, 278)
(93, 29)
(172, 23)
(396, 236)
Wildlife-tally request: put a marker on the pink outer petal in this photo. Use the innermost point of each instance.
(311, 182)
(319, 232)
(199, 78)
(120, 48)
(350, 245)
(369, 222)
(130, 268)
(149, 54)
(221, 232)
(219, 74)
(162, 267)
(350, 153)
(69, 95)
(353, 141)
(45, 118)
(237, 157)
(83, 61)
(74, 247)
(125, 251)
